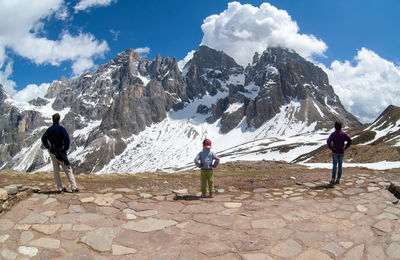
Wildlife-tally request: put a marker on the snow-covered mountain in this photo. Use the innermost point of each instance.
(135, 115)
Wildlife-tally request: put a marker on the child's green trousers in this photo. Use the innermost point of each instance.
(207, 176)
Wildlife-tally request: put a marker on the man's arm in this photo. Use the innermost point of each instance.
(45, 141)
(66, 139)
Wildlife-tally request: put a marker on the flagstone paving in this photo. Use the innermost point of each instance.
(358, 219)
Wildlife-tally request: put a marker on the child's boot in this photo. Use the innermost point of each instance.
(203, 194)
(211, 194)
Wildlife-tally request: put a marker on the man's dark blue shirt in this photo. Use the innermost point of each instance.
(56, 137)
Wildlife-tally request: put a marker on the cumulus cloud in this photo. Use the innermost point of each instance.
(31, 91)
(86, 4)
(242, 30)
(8, 85)
(21, 31)
(143, 50)
(367, 85)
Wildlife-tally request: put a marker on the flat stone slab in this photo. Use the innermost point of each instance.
(47, 229)
(272, 223)
(34, 218)
(122, 250)
(288, 248)
(353, 191)
(46, 242)
(100, 239)
(149, 225)
(232, 205)
(146, 213)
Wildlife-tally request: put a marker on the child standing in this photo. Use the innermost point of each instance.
(204, 160)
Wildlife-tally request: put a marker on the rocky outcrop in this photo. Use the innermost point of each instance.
(395, 189)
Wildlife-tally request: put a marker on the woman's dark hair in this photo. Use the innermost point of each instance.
(56, 118)
(338, 126)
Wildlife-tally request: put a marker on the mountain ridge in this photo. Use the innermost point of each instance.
(107, 111)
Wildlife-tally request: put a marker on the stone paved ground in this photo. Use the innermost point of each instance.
(358, 219)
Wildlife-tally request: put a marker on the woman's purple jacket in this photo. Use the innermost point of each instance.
(338, 138)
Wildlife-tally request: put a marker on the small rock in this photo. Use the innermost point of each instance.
(260, 190)
(232, 204)
(3, 238)
(8, 254)
(145, 195)
(3, 194)
(181, 191)
(12, 189)
(28, 250)
(362, 208)
(346, 244)
(87, 199)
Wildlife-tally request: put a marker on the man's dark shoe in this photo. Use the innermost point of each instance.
(75, 190)
(62, 190)
(332, 182)
(337, 182)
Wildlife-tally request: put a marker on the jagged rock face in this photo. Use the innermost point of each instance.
(18, 129)
(207, 69)
(104, 110)
(284, 76)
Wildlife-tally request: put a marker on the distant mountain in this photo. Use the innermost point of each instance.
(379, 141)
(134, 114)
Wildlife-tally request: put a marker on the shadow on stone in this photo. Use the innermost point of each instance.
(186, 197)
(48, 192)
(322, 187)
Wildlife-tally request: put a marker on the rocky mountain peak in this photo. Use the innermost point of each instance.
(388, 118)
(208, 58)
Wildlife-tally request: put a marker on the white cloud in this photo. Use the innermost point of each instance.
(22, 30)
(367, 85)
(31, 91)
(86, 4)
(141, 51)
(115, 34)
(242, 30)
(8, 85)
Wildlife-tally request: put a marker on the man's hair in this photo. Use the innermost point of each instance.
(338, 126)
(56, 118)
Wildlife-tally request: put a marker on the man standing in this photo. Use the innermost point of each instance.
(56, 139)
(336, 144)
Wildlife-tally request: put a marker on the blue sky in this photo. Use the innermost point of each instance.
(356, 42)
